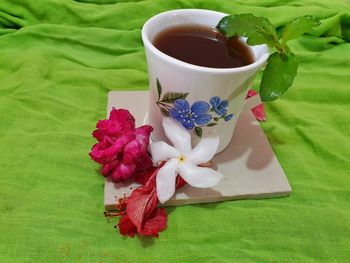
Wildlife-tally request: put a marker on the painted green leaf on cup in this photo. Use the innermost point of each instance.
(298, 27)
(258, 30)
(212, 124)
(278, 76)
(170, 97)
(159, 89)
(165, 112)
(199, 131)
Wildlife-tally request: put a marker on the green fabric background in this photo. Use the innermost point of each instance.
(58, 60)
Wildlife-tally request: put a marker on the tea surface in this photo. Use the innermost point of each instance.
(203, 46)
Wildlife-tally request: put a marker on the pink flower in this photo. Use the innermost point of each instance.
(258, 111)
(121, 149)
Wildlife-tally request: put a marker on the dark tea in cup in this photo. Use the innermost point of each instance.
(203, 46)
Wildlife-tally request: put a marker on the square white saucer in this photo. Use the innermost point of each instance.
(250, 167)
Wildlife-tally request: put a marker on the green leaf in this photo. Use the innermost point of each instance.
(298, 27)
(159, 89)
(278, 76)
(258, 30)
(199, 131)
(212, 124)
(165, 112)
(170, 97)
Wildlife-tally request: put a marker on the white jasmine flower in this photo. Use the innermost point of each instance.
(182, 160)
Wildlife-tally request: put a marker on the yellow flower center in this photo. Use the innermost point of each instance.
(182, 159)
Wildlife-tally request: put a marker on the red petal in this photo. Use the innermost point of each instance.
(126, 227)
(124, 117)
(258, 111)
(108, 167)
(180, 182)
(142, 209)
(142, 176)
(112, 152)
(140, 205)
(142, 215)
(122, 172)
(251, 93)
(144, 131)
(156, 223)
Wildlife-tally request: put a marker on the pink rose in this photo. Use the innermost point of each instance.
(121, 149)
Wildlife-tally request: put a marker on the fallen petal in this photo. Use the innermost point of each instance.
(251, 93)
(258, 111)
(156, 223)
(142, 211)
(126, 227)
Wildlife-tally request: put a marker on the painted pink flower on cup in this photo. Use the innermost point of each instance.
(121, 148)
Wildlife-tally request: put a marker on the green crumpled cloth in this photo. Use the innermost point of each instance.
(58, 60)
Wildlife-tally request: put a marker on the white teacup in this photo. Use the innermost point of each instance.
(199, 83)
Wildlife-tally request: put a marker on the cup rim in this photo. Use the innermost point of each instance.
(147, 42)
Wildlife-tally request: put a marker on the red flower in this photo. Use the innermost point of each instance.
(121, 149)
(142, 216)
(258, 111)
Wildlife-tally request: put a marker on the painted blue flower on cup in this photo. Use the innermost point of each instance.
(188, 116)
(201, 113)
(219, 106)
(228, 117)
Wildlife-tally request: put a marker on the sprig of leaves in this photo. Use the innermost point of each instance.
(282, 65)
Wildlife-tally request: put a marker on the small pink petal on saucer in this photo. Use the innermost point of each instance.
(258, 111)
